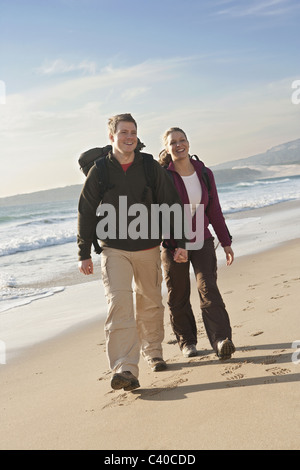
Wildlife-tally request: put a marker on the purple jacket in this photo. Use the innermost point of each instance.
(213, 214)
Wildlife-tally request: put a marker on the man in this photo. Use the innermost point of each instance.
(125, 258)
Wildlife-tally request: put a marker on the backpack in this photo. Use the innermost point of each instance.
(88, 158)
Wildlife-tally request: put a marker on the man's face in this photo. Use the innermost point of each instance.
(124, 141)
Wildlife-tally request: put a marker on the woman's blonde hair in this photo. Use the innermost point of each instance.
(164, 157)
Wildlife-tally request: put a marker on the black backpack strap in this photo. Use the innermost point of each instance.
(97, 248)
(206, 180)
(204, 175)
(208, 185)
(149, 174)
(103, 179)
(103, 175)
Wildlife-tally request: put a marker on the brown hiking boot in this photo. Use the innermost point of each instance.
(125, 380)
(157, 364)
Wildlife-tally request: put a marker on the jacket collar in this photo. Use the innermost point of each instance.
(197, 164)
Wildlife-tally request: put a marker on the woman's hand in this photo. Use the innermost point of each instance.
(229, 255)
(181, 255)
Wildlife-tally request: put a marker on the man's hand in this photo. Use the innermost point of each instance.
(181, 255)
(86, 266)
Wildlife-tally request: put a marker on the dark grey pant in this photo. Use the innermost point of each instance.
(214, 314)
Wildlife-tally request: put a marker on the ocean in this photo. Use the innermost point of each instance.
(38, 242)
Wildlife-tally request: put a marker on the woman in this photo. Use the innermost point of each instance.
(187, 176)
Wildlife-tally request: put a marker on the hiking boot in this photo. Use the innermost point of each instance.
(189, 350)
(125, 380)
(157, 364)
(225, 349)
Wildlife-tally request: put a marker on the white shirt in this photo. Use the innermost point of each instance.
(194, 190)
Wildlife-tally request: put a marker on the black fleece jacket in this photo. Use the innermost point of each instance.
(131, 184)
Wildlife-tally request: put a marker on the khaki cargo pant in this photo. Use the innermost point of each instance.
(132, 329)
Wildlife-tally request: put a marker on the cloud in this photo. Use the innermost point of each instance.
(236, 125)
(132, 93)
(139, 77)
(2, 92)
(257, 8)
(68, 96)
(50, 124)
(60, 67)
(46, 128)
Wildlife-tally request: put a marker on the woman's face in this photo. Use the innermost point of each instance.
(177, 146)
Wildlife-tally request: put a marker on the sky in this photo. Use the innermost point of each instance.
(222, 70)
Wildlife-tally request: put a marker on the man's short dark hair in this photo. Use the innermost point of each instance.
(114, 121)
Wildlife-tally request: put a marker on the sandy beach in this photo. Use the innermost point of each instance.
(57, 395)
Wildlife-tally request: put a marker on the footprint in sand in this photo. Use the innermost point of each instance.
(270, 381)
(235, 377)
(229, 369)
(105, 376)
(252, 286)
(249, 348)
(278, 371)
(205, 358)
(121, 398)
(169, 383)
(249, 307)
(230, 372)
(269, 360)
(276, 297)
(285, 283)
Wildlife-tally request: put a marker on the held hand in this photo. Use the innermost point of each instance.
(229, 255)
(86, 266)
(181, 255)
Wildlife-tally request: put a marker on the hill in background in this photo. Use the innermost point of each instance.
(48, 195)
(282, 160)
